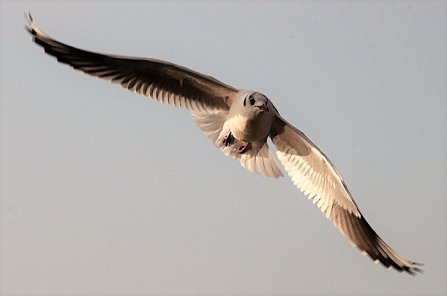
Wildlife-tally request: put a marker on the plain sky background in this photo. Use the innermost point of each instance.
(104, 191)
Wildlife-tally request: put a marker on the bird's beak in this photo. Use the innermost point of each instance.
(263, 107)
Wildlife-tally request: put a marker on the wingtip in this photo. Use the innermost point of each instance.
(32, 28)
(417, 269)
(28, 18)
(413, 269)
(29, 22)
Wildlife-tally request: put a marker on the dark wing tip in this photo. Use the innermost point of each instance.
(361, 235)
(29, 23)
(28, 17)
(415, 270)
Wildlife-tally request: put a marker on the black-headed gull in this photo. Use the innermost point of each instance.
(239, 123)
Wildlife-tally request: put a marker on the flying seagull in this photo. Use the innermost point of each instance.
(238, 122)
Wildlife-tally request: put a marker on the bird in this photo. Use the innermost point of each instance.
(239, 122)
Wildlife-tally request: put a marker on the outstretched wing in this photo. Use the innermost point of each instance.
(165, 82)
(313, 173)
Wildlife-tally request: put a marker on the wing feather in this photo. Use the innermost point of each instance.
(162, 81)
(313, 173)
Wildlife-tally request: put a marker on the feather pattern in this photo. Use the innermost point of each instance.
(162, 81)
(313, 173)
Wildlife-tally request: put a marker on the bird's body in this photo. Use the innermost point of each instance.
(251, 124)
(239, 122)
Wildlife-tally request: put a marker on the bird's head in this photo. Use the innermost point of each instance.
(255, 103)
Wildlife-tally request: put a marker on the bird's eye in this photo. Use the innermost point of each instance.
(252, 101)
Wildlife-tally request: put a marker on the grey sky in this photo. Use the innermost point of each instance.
(104, 191)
